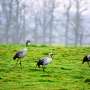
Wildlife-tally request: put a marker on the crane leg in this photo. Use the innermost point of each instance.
(16, 62)
(20, 64)
(43, 66)
(36, 66)
(88, 64)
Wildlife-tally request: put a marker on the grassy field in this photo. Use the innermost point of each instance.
(65, 72)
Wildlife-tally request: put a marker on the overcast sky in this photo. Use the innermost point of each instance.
(37, 3)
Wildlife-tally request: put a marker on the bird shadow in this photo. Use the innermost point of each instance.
(63, 68)
(87, 80)
(38, 70)
(34, 70)
(46, 75)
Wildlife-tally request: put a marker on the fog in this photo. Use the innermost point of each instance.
(63, 22)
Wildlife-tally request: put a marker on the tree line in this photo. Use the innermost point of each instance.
(43, 21)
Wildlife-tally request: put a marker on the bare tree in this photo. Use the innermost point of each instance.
(51, 21)
(78, 20)
(7, 13)
(35, 30)
(43, 19)
(17, 13)
(67, 22)
(22, 35)
(34, 21)
(18, 32)
(48, 19)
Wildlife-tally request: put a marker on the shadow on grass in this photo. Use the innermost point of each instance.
(47, 75)
(87, 80)
(1, 78)
(78, 77)
(63, 68)
(38, 70)
(46, 80)
(2, 70)
(34, 70)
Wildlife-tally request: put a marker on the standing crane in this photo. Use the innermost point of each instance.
(28, 42)
(20, 54)
(44, 61)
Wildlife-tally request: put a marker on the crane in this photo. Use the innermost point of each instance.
(20, 54)
(44, 61)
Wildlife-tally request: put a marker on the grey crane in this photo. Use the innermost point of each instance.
(19, 55)
(44, 61)
(28, 42)
(86, 59)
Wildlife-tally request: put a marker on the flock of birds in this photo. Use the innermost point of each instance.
(42, 61)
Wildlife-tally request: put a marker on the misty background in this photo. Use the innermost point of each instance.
(64, 22)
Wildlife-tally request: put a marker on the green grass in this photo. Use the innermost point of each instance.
(65, 72)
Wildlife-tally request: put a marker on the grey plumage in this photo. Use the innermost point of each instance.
(86, 59)
(20, 54)
(44, 61)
